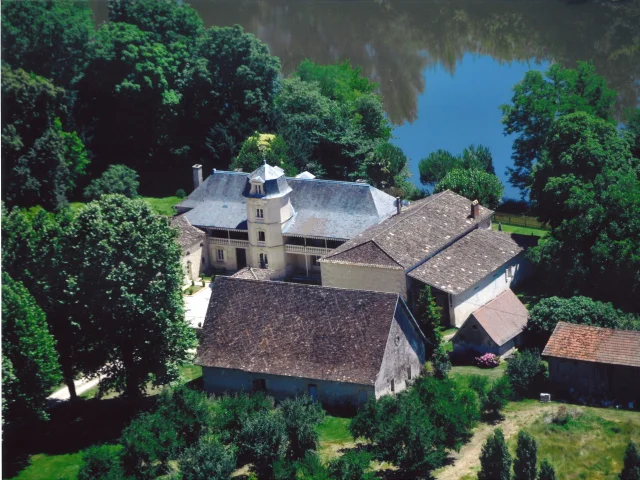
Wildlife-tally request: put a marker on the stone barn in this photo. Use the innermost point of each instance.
(337, 345)
(496, 328)
(594, 362)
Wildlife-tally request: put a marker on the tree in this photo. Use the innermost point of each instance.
(352, 466)
(429, 316)
(497, 397)
(495, 461)
(478, 158)
(102, 462)
(116, 179)
(436, 165)
(235, 410)
(302, 415)
(547, 471)
(586, 187)
(541, 98)
(228, 94)
(441, 362)
(526, 373)
(260, 148)
(35, 252)
(524, 466)
(386, 168)
(473, 184)
(207, 460)
(32, 367)
(129, 265)
(263, 440)
(632, 130)
(41, 161)
(48, 37)
(631, 469)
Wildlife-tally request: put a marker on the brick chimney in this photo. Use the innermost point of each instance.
(399, 205)
(475, 209)
(197, 175)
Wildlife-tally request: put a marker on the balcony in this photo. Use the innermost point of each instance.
(229, 242)
(301, 250)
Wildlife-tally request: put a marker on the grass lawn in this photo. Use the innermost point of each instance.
(58, 467)
(334, 436)
(462, 373)
(161, 206)
(192, 289)
(538, 232)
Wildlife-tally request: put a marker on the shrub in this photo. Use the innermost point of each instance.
(441, 363)
(102, 462)
(526, 373)
(429, 316)
(480, 385)
(497, 396)
(352, 466)
(263, 441)
(495, 461)
(207, 460)
(180, 193)
(301, 416)
(488, 360)
(308, 468)
(233, 412)
(116, 179)
(524, 466)
(547, 471)
(631, 469)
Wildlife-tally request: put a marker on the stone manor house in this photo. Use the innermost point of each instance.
(348, 235)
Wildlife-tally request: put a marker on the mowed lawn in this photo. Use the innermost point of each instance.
(538, 232)
(161, 206)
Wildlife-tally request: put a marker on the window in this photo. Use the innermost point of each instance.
(220, 255)
(259, 190)
(261, 236)
(393, 385)
(510, 271)
(259, 385)
(409, 373)
(264, 263)
(259, 213)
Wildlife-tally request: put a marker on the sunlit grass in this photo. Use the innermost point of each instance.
(161, 206)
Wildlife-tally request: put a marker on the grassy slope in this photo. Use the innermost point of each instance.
(161, 206)
(45, 467)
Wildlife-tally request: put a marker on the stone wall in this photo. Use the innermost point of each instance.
(364, 278)
(194, 261)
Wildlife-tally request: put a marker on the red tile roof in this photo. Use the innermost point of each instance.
(594, 344)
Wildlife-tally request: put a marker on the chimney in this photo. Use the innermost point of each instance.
(475, 209)
(197, 175)
(398, 205)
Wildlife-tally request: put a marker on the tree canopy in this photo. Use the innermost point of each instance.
(261, 147)
(116, 179)
(473, 184)
(435, 166)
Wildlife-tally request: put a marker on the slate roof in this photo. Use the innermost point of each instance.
(188, 234)
(296, 330)
(323, 208)
(594, 344)
(468, 260)
(249, 273)
(503, 318)
(419, 231)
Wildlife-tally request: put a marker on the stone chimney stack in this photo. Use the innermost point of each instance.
(398, 205)
(197, 175)
(475, 209)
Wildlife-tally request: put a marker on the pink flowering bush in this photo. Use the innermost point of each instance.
(488, 360)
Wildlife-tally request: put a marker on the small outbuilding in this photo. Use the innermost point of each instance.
(192, 243)
(496, 327)
(602, 363)
(337, 345)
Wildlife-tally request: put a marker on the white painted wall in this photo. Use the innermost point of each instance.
(364, 278)
(194, 254)
(467, 302)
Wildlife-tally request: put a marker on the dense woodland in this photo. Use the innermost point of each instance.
(105, 113)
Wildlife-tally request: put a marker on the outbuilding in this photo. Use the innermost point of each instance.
(594, 362)
(338, 345)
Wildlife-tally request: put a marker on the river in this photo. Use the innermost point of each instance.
(445, 66)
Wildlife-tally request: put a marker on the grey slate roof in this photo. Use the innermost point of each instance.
(323, 208)
(503, 318)
(249, 273)
(296, 330)
(419, 231)
(188, 234)
(467, 261)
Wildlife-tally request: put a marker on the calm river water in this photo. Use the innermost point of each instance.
(445, 66)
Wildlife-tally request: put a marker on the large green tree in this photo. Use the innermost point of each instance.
(47, 37)
(586, 186)
(435, 166)
(115, 179)
(41, 160)
(524, 466)
(473, 184)
(129, 277)
(539, 99)
(263, 147)
(386, 167)
(495, 461)
(30, 362)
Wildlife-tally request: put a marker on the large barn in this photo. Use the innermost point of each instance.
(594, 362)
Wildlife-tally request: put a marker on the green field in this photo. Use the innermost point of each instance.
(521, 230)
(161, 206)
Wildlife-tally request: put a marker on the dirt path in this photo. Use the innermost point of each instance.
(467, 460)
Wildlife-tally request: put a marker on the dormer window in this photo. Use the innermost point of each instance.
(259, 190)
(257, 186)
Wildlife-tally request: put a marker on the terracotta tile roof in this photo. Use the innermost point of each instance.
(594, 344)
(189, 235)
(249, 273)
(296, 330)
(467, 261)
(417, 232)
(503, 318)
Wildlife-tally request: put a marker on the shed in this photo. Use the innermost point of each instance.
(602, 363)
(496, 328)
